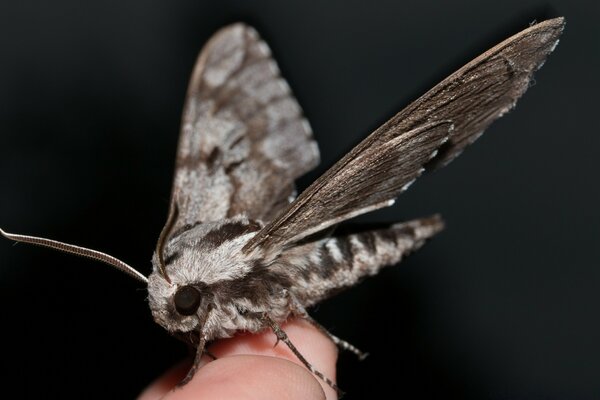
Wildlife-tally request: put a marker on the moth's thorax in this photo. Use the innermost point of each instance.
(210, 252)
(209, 257)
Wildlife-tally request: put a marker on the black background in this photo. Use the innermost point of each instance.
(503, 305)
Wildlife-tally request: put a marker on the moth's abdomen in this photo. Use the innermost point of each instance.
(342, 261)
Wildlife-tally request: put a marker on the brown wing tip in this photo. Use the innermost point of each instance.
(557, 23)
(549, 31)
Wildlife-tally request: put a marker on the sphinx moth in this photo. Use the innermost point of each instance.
(239, 250)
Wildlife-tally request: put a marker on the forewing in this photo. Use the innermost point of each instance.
(483, 90)
(382, 165)
(243, 140)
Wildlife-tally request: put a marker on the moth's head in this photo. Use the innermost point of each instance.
(198, 261)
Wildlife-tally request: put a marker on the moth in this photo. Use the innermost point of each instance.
(239, 250)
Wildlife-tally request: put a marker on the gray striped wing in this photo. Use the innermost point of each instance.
(243, 138)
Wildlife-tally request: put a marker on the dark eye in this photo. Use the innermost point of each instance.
(187, 300)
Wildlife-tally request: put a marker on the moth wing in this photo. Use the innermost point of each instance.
(460, 108)
(484, 89)
(243, 139)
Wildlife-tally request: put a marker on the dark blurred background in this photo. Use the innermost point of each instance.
(503, 305)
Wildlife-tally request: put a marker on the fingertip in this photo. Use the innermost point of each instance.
(318, 349)
(249, 377)
(276, 376)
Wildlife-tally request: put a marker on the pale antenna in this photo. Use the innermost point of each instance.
(79, 251)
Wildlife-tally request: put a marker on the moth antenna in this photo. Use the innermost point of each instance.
(162, 239)
(78, 251)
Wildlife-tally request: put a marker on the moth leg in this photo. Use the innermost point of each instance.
(299, 310)
(282, 336)
(341, 343)
(211, 355)
(196, 364)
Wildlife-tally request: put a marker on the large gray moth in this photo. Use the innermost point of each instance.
(239, 250)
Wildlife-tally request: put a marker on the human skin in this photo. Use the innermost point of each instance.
(250, 366)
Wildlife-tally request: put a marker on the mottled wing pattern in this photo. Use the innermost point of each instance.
(243, 139)
(382, 165)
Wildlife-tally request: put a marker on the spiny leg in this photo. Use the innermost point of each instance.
(211, 355)
(190, 340)
(196, 363)
(338, 342)
(299, 310)
(282, 336)
(200, 351)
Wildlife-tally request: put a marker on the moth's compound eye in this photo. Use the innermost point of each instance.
(187, 300)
